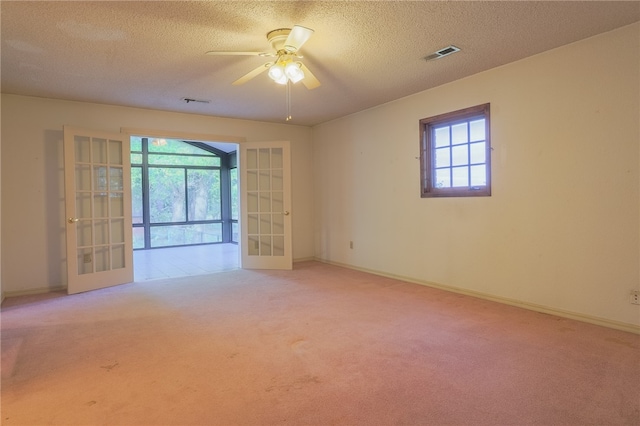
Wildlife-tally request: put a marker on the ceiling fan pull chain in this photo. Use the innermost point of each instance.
(288, 100)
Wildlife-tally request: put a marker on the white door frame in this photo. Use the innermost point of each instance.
(195, 137)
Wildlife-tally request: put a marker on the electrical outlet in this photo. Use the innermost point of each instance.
(635, 297)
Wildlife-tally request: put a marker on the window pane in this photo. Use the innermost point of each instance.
(264, 180)
(252, 180)
(116, 179)
(277, 182)
(265, 223)
(277, 202)
(183, 160)
(99, 150)
(85, 261)
(278, 224)
(477, 130)
(278, 246)
(115, 152)
(138, 237)
(167, 195)
(83, 178)
(82, 149)
(479, 175)
(460, 176)
(117, 257)
(101, 258)
(443, 178)
(276, 158)
(265, 246)
(136, 158)
(443, 157)
(84, 233)
(441, 136)
(117, 231)
(253, 245)
(477, 152)
(460, 155)
(100, 204)
(99, 178)
(204, 194)
(234, 193)
(264, 158)
(252, 224)
(174, 146)
(136, 194)
(83, 205)
(459, 133)
(234, 232)
(252, 159)
(136, 143)
(101, 231)
(252, 202)
(175, 235)
(116, 201)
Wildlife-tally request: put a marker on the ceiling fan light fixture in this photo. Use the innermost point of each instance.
(276, 72)
(282, 80)
(294, 72)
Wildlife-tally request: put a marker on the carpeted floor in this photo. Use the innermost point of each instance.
(319, 345)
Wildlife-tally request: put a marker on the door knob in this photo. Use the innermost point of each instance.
(72, 220)
(286, 213)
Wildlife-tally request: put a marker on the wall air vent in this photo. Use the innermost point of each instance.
(442, 53)
(189, 100)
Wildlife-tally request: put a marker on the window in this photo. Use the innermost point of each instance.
(233, 181)
(180, 193)
(455, 154)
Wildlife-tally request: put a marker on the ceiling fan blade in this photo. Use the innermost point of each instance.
(310, 81)
(251, 74)
(297, 37)
(214, 53)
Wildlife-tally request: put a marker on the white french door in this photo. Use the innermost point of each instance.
(97, 177)
(265, 197)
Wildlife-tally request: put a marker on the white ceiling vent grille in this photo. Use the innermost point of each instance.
(442, 53)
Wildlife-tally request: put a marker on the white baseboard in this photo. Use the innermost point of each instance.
(33, 291)
(632, 328)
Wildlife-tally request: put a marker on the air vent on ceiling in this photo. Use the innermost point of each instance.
(189, 100)
(442, 53)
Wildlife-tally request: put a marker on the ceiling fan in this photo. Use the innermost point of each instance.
(286, 66)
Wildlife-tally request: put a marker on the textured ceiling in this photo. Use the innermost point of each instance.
(151, 54)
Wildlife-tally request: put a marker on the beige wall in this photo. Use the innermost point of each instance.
(33, 248)
(561, 230)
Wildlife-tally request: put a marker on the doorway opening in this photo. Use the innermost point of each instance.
(184, 207)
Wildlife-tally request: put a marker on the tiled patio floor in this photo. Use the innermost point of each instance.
(183, 261)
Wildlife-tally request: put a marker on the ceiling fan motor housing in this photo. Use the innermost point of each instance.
(278, 37)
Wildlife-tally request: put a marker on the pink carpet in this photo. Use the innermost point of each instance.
(319, 345)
